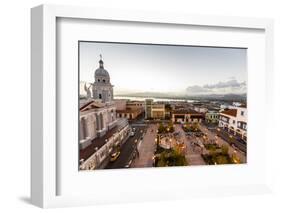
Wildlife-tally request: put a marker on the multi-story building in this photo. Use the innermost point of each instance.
(212, 116)
(129, 109)
(168, 111)
(186, 116)
(154, 110)
(100, 131)
(95, 120)
(234, 121)
(201, 109)
(135, 104)
(148, 108)
(158, 111)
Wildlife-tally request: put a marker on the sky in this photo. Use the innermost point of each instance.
(181, 70)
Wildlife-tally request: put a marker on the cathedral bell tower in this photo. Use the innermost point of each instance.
(102, 88)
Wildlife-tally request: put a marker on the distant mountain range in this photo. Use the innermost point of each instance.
(225, 97)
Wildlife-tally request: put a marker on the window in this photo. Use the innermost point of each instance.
(242, 113)
(98, 80)
(233, 121)
(103, 80)
(100, 97)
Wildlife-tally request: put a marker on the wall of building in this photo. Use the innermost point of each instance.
(231, 123)
(101, 157)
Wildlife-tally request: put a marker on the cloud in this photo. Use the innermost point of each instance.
(222, 87)
(230, 83)
(196, 89)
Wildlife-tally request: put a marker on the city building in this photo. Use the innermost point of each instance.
(168, 111)
(234, 121)
(97, 154)
(201, 109)
(154, 110)
(135, 104)
(148, 107)
(186, 116)
(158, 111)
(95, 120)
(100, 131)
(129, 109)
(120, 104)
(212, 116)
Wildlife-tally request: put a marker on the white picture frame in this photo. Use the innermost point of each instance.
(45, 178)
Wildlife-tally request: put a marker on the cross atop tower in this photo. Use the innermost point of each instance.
(101, 62)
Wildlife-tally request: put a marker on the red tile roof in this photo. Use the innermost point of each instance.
(231, 112)
(185, 111)
(92, 105)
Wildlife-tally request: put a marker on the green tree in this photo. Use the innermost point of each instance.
(161, 128)
(171, 158)
(224, 149)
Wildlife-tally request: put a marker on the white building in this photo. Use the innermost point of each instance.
(234, 120)
(102, 88)
(186, 116)
(154, 110)
(200, 109)
(100, 131)
(95, 120)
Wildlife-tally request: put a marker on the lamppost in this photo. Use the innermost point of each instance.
(157, 139)
(216, 140)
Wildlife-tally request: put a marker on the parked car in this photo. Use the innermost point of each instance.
(114, 156)
(132, 134)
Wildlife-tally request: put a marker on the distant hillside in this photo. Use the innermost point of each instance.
(225, 97)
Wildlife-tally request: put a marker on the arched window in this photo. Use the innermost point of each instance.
(103, 80)
(100, 97)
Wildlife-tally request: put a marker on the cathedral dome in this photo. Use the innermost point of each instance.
(101, 72)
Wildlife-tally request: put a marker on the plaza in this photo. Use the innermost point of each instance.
(130, 133)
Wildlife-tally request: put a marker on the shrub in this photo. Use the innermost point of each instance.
(170, 158)
(224, 149)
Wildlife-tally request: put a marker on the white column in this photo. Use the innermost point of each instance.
(81, 136)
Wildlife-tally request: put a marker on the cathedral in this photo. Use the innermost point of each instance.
(100, 131)
(102, 89)
(98, 111)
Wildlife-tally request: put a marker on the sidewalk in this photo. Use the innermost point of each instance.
(192, 157)
(211, 135)
(146, 149)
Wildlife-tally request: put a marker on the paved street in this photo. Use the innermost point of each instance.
(225, 135)
(192, 157)
(146, 148)
(145, 137)
(212, 136)
(127, 151)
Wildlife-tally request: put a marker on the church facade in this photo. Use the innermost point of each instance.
(100, 131)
